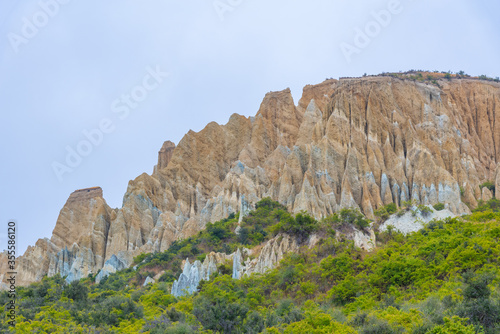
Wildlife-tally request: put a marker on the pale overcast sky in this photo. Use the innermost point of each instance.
(69, 66)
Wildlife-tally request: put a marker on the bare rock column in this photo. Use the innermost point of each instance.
(165, 154)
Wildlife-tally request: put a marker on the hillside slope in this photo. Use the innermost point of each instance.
(442, 279)
(362, 142)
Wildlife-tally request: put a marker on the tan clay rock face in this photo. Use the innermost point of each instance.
(78, 243)
(350, 143)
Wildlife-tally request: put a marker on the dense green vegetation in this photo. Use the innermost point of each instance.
(438, 206)
(442, 279)
(491, 206)
(488, 184)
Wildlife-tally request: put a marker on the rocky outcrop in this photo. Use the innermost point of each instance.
(193, 273)
(271, 253)
(347, 143)
(363, 239)
(84, 195)
(148, 280)
(265, 257)
(269, 257)
(112, 265)
(78, 243)
(413, 220)
(486, 194)
(188, 281)
(164, 155)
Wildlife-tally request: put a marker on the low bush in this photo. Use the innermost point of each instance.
(492, 205)
(425, 211)
(347, 216)
(300, 226)
(438, 206)
(489, 185)
(384, 212)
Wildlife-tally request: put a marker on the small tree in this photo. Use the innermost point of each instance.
(477, 305)
(76, 291)
(301, 226)
(425, 211)
(354, 217)
(438, 206)
(384, 212)
(219, 314)
(489, 185)
(243, 235)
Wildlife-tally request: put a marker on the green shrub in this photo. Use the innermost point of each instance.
(164, 325)
(489, 185)
(376, 326)
(216, 231)
(492, 205)
(167, 276)
(345, 291)
(77, 291)
(287, 277)
(399, 271)
(477, 305)
(257, 226)
(301, 226)
(384, 212)
(243, 235)
(336, 268)
(174, 315)
(425, 211)
(438, 206)
(484, 216)
(391, 208)
(181, 329)
(359, 320)
(408, 204)
(139, 258)
(349, 216)
(268, 204)
(219, 314)
(254, 323)
(433, 309)
(400, 213)
(115, 309)
(157, 325)
(225, 268)
(454, 325)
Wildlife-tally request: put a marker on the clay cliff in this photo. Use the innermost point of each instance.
(360, 143)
